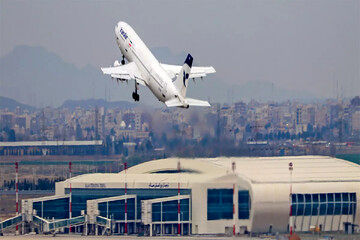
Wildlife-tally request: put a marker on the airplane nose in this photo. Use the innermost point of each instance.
(117, 29)
(121, 23)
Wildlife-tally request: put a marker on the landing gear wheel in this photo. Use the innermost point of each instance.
(123, 61)
(136, 96)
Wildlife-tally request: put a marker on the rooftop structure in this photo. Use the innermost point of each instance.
(50, 143)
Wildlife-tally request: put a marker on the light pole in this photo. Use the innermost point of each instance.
(70, 199)
(126, 206)
(233, 166)
(125, 167)
(17, 193)
(178, 168)
(290, 199)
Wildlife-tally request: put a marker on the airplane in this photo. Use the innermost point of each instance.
(167, 82)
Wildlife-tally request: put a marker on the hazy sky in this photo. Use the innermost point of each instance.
(305, 45)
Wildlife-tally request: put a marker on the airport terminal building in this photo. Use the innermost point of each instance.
(215, 196)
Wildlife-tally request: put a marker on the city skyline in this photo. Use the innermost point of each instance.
(240, 122)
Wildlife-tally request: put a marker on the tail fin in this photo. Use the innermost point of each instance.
(182, 79)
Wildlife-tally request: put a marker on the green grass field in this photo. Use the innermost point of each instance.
(355, 158)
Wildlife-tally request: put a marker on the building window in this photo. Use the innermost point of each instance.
(156, 212)
(323, 204)
(315, 206)
(169, 211)
(244, 203)
(308, 205)
(81, 195)
(116, 209)
(56, 208)
(219, 204)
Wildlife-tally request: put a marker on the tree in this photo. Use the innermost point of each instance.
(355, 101)
(149, 146)
(78, 131)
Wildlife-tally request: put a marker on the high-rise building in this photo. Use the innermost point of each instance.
(241, 108)
(335, 111)
(310, 115)
(355, 121)
(137, 121)
(96, 124)
(299, 121)
(7, 120)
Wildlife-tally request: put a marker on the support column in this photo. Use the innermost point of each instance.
(135, 222)
(161, 218)
(234, 209)
(190, 216)
(85, 229)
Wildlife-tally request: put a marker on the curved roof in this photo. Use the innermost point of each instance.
(262, 169)
(190, 165)
(251, 169)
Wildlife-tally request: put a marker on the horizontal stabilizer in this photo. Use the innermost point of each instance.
(196, 102)
(196, 72)
(175, 102)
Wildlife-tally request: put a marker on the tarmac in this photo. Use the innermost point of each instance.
(80, 237)
(77, 237)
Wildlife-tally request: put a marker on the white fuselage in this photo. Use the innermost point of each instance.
(153, 74)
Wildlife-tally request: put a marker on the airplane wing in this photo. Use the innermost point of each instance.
(125, 72)
(196, 72)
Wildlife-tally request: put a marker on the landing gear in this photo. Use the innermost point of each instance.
(123, 60)
(135, 95)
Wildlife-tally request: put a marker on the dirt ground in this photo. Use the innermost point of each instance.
(7, 201)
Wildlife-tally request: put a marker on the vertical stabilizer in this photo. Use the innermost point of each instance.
(182, 79)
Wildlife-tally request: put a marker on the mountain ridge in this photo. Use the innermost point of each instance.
(42, 78)
(12, 104)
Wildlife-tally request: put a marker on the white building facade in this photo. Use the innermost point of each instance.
(252, 194)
